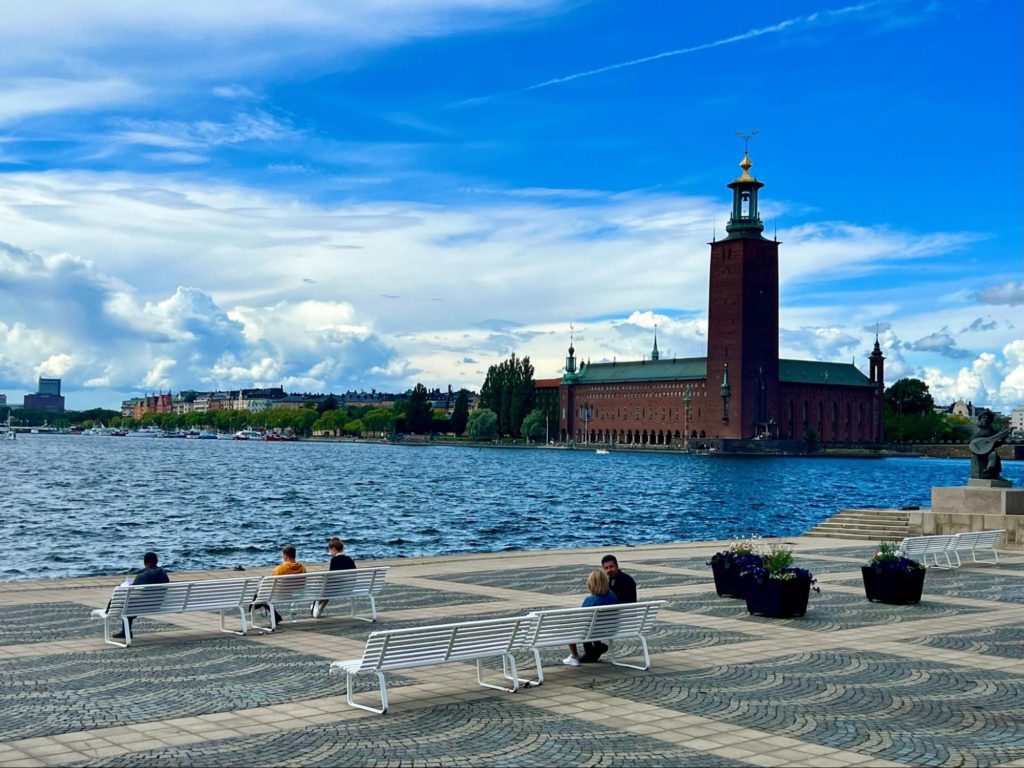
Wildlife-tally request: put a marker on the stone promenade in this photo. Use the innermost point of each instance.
(851, 683)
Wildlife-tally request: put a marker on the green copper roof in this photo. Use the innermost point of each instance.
(645, 370)
(790, 372)
(813, 372)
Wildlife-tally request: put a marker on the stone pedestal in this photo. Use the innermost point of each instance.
(978, 500)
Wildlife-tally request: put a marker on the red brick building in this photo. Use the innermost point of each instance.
(741, 391)
(162, 403)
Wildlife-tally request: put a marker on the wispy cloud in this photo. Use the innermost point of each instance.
(818, 17)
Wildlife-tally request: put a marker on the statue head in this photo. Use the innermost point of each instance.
(985, 418)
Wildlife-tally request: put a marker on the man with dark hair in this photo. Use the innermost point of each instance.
(151, 574)
(622, 583)
(624, 587)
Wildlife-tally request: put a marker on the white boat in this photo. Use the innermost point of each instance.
(249, 434)
(152, 430)
(601, 451)
(9, 433)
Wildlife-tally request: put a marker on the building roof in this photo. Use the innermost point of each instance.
(546, 383)
(814, 372)
(696, 368)
(644, 370)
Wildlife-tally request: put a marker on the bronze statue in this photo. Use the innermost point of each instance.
(985, 462)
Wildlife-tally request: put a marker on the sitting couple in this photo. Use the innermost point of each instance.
(607, 587)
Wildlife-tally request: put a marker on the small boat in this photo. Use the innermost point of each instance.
(151, 430)
(273, 437)
(9, 433)
(249, 434)
(601, 451)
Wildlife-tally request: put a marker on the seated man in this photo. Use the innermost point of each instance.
(288, 567)
(624, 588)
(151, 574)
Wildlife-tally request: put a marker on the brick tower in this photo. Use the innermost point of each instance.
(743, 320)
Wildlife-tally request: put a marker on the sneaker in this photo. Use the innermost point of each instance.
(571, 661)
(119, 635)
(317, 610)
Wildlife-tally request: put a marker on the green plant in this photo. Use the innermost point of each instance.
(779, 557)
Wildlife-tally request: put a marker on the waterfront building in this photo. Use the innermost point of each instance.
(158, 404)
(47, 396)
(3, 401)
(741, 391)
(1017, 420)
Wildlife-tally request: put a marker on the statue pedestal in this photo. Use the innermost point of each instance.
(978, 499)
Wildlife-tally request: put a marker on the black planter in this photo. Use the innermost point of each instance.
(893, 587)
(727, 580)
(777, 598)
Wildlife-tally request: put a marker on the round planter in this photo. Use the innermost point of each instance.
(727, 580)
(893, 587)
(777, 598)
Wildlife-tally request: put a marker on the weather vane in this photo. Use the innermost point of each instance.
(746, 138)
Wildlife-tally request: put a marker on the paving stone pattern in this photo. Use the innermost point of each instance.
(564, 580)
(47, 622)
(908, 710)
(499, 732)
(77, 691)
(1006, 641)
(826, 612)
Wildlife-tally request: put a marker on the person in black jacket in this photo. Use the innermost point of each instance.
(624, 587)
(339, 562)
(151, 574)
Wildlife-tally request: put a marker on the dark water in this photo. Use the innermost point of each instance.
(72, 506)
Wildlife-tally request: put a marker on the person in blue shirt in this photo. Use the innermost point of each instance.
(600, 594)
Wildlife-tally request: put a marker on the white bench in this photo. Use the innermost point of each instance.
(972, 542)
(586, 625)
(427, 646)
(919, 547)
(223, 595)
(310, 587)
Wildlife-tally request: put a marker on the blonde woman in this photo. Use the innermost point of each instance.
(600, 594)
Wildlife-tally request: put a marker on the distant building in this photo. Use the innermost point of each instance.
(741, 390)
(48, 386)
(1017, 419)
(3, 400)
(158, 404)
(47, 397)
(962, 409)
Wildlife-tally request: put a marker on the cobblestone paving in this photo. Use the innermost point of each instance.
(563, 580)
(973, 584)
(860, 552)
(1006, 641)
(816, 564)
(77, 691)
(889, 707)
(499, 732)
(46, 622)
(827, 612)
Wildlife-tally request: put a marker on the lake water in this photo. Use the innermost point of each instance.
(74, 506)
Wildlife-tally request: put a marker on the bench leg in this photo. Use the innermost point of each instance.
(245, 628)
(508, 661)
(540, 669)
(974, 554)
(256, 625)
(647, 656)
(373, 610)
(383, 694)
(107, 638)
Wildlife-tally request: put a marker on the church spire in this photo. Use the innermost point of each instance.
(654, 352)
(745, 220)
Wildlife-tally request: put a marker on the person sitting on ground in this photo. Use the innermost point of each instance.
(600, 594)
(624, 587)
(339, 562)
(151, 574)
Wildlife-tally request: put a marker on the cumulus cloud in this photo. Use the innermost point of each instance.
(823, 343)
(1010, 292)
(941, 342)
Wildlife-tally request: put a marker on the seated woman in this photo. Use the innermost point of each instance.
(600, 594)
(339, 562)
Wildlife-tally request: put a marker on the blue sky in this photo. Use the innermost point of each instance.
(375, 193)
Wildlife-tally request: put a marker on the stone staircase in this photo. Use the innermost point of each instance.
(865, 524)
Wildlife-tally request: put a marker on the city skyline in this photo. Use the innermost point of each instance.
(297, 195)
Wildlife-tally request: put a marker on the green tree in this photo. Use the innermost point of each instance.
(378, 420)
(534, 425)
(508, 390)
(419, 416)
(460, 414)
(329, 403)
(482, 424)
(355, 427)
(909, 397)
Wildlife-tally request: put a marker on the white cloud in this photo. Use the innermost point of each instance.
(22, 97)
